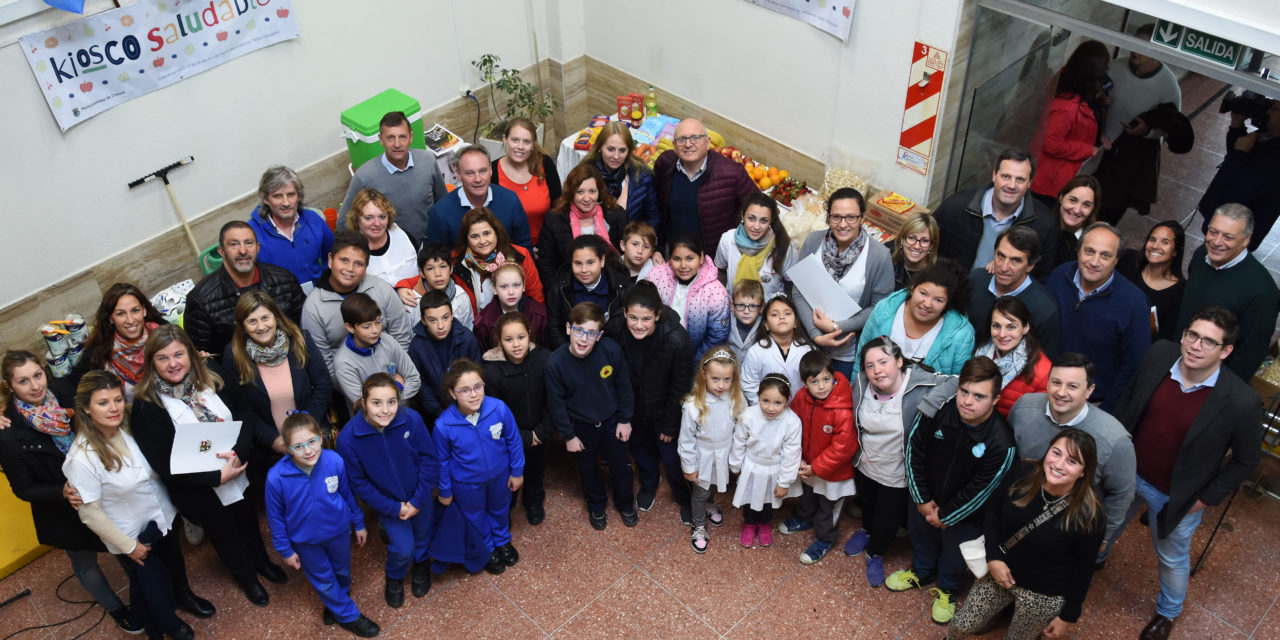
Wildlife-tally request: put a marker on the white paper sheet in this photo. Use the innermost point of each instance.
(820, 290)
(196, 446)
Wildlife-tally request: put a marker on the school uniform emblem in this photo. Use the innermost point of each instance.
(826, 428)
(406, 435)
(331, 483)
(495, 430)
(205, 445)
(606, 371)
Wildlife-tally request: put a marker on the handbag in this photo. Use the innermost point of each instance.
(974, 551)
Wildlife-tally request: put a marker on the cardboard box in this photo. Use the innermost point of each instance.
(885, 218)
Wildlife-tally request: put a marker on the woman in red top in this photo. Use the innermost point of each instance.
(528, 171)
(1069, 132)
(1024, 368)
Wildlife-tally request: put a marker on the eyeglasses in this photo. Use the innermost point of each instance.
(1191, 337)
(471, 390)
(739, 306)
(579, 332)
(917, 241)
(846, 219)
(303, 446)
(682, 140)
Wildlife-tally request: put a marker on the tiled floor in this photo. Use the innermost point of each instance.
(646, 582)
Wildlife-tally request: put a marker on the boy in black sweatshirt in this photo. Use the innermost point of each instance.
(959, 450)
(590, 401)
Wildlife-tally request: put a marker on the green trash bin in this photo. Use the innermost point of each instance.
(360, 124)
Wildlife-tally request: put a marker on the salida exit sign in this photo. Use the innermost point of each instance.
(1197, 43)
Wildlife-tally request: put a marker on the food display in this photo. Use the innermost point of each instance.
(788, 189)
(896, 203)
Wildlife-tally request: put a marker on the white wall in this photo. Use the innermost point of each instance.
(784, 78)
(64, 199)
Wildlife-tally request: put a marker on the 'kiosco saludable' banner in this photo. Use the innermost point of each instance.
(90, 65)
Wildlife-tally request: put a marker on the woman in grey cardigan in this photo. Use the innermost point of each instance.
(856, 262)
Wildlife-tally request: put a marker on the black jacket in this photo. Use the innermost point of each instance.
(210, 317)
(191, 493)
(1229, 420)
(557, 234)
(960, 224)
(661, 370)
(312, 390)
(1249, 179)
(33, 465)
(523, 388)
(954, 465)
(1044, 311)
(560, 299)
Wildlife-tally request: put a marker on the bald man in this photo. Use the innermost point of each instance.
(698, 192)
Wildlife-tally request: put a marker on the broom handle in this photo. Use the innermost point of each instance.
(185, 225)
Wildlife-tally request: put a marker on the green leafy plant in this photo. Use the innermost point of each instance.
(523, 98)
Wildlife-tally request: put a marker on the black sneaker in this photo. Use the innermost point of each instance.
(508, 554)
(393, 592)
(599, 520)
(362, 626)
(630, 518)
(644, 499)
(495, 566)
(535, 514)
(123, 616)
(686, 516)
(420, 583)
(194, 605)
(257, 595)
(328, 617)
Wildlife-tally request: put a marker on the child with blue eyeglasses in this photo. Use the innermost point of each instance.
(312, 513)
(590, 400)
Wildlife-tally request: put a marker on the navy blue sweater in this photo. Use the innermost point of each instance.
(596, 388)
(445, 217)
(431, 366)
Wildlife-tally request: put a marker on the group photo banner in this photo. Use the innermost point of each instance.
(90, 65)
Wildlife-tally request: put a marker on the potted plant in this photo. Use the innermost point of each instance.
(523, 98)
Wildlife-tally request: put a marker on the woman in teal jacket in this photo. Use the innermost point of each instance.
(926, 321)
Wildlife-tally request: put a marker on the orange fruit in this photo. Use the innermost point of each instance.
(765, 183)
(784, 174)
(774, 173)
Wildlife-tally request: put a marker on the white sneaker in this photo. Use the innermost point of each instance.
(193, 532)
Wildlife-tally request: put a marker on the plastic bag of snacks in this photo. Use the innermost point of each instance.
(172, 301)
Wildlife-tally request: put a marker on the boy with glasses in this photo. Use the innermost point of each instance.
(590, 400)
(748, 299)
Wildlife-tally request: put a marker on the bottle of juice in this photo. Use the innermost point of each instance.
(651, 103)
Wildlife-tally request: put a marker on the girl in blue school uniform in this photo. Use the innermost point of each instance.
(392, 465)
(481, 462)
(312, 513)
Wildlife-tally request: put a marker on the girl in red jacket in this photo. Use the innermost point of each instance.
(828, 443)
(1024, 368)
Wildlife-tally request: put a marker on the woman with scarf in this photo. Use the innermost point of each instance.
(626, 177)
(583, 207)
(1024, 368)
(482, 247)
(759, 249)
(32, 450)
(124, 320)
(177, 389)
(859, 265)
(277, 370)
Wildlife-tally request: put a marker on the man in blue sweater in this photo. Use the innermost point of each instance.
(1108, 314)
(475, 173)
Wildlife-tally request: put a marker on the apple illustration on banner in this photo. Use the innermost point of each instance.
(252, 25)
(42, 66)
(124, 76)
(282, 12)
(158, 62)
(191, 48)
(87, 31)
(57, 103)
(846, 12)
(222, 36)
(86, 87)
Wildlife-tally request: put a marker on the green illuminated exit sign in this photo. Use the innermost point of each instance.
(1197, 43)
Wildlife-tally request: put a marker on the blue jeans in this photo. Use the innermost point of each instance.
(1173, 553)
(937, 551)
(844, 366)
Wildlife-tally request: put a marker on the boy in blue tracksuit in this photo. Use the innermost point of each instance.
(312, 513)
(481, 461)
(392, 465)
(590, 399)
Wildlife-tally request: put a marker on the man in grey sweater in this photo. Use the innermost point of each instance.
(409, 178)
(1038, 417)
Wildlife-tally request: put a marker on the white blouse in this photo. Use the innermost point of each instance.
(131, 496)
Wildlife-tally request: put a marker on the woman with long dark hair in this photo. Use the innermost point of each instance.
(583, 207)
(121, 325)
(759, 248)
(1069, 134)
(1077, 207)
(1024, 368)
(1157, 269)
(626, 177)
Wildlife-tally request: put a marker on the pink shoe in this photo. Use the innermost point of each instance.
(764, 534)
(748, 537)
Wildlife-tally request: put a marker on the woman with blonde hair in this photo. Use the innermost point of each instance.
(527, 171)
(393, 252)
(626, 177)
(178, 390)
(915, 249)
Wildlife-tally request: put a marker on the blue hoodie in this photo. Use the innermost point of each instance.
(397, 464)
(461, 343)
(308, 508)
(476, 454)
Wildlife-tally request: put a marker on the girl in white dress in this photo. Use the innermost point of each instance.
(766, 454)
(708, 418)
(777, 347)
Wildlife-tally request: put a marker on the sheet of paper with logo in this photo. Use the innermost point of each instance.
(820, 290)
(195, 450)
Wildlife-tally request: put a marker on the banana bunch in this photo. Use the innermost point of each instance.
(716, 139)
